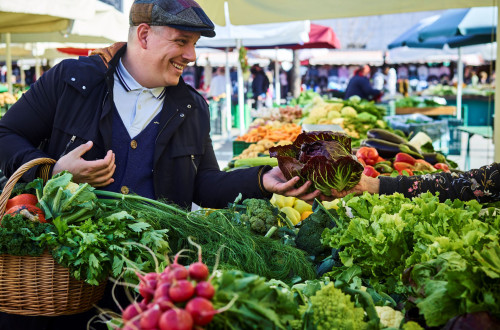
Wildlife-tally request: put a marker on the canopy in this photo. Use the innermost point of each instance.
(244, 12)
(42, 16)
(463, 22)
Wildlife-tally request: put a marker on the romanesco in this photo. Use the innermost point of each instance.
(412, 326)
(389, 317)
(332, 309)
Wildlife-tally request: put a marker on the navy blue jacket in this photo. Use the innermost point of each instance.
(360, 85)
(74, 99)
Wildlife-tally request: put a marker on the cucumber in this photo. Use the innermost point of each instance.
(256, 161)
(382, 134)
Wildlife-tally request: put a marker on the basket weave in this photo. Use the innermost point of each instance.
(38, 286)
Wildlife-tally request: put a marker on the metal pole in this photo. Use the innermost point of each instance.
(241, 96)
(496, 121)
(277, 84)
(228, 98)
(460, 82)
(8, 62)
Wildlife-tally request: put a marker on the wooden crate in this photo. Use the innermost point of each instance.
(428, 111)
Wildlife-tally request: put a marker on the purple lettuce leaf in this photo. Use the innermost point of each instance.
(309, 137)
(341, 174)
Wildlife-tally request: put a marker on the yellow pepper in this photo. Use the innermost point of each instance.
(305, 214)
(281, 201)
(292, 214)
(331, 205)
(301, 206)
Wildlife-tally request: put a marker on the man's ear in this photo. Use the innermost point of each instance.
(143, 32)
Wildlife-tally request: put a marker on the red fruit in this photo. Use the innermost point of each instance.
(29, 211)
(176, 319)
(150, 318)
(23, 199)
(370, 171)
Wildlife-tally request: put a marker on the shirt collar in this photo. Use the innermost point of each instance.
(130, 84)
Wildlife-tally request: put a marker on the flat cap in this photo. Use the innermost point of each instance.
(180, 14)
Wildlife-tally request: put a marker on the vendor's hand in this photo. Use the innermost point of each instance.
(275, 182)
(366, 183)
(97, 173)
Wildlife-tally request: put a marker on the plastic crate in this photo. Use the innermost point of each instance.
(414, 123)
(239, 146)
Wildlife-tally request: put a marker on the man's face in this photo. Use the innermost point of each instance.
(169, 52)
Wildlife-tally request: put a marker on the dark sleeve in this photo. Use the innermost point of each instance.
(366, 87)
(482, 184)
(27, 123)
(216, 188)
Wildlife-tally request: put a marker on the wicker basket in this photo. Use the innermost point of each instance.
(38, 285)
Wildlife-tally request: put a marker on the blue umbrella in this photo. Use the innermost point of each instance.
(462, 22)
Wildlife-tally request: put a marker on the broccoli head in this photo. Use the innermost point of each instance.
(260, 214)
(309, 235)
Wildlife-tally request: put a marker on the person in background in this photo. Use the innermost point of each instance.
(390, 80)
(474, 79)
(360, 85)
(482, 184)
(124, 120)
(260, 85)
(483, 77)
(284, 83)
(218, 84)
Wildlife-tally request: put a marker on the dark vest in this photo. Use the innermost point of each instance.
(133, 158)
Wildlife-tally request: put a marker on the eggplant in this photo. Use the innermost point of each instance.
(434, 157)
(382, 134)
(388, 149)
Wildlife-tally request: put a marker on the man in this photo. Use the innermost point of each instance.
(260, 85)
(124, 120)
(360, 85)
(127, 122)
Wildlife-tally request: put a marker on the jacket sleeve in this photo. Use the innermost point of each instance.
(482, 184)
(215, 188)
(27, 124)
(368, 89)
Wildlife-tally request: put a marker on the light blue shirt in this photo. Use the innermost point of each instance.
(136, 105)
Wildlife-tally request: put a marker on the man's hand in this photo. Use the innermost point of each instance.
(97, 173)
(275, 182)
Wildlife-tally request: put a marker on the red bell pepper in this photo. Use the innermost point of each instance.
(379, 159)
(442, 166)
(362, 161)
(402, 157)
(370, 171)
(398, 166)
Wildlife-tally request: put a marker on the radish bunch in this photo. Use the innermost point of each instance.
(178, 298)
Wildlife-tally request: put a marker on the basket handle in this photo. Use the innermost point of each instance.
(9, 186)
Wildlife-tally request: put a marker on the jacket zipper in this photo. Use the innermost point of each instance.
(73, 138)
(194, 164)
(164, 126)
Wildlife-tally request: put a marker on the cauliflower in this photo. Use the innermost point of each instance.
(355, 99)
(333, 114)
(389, 317)
(332, 309)
(348, 112)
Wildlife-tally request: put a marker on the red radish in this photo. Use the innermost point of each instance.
(147, 287)
(205, 290)
(164, 303)
(150, 318)
(198, 271)
(201, 310)
(132, 311)
(22, 199)
(28, 211)
(133, 325)
(176, 319)
(181, 291)
(162, 290)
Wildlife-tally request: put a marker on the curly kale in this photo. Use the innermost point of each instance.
(18, 236)
(260, 215)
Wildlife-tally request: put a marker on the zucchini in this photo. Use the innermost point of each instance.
(256, 161)
(382, 134)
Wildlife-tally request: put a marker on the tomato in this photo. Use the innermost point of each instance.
(367, 153)
(370, 171)
(23, 199)
(35, 212)
(442, 166)
(398, 166)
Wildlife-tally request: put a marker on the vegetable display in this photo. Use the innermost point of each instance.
(323, 157)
